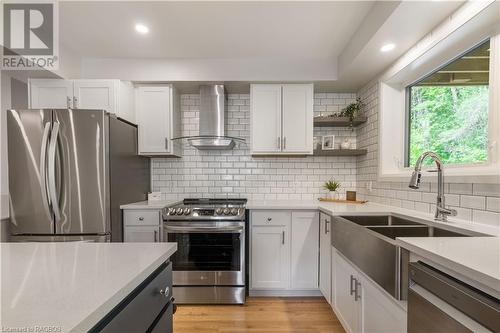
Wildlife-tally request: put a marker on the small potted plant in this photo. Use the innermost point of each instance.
(332, 186)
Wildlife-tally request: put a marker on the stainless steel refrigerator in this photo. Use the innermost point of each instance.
(69, 171)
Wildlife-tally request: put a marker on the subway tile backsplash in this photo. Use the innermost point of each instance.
(235, 173)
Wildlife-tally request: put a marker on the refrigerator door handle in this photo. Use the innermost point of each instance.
(43, 169)
(52, 172)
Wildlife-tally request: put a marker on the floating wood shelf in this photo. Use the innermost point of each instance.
(338, 121)
(340, 152)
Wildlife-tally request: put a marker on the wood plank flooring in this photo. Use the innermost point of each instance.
(259, 314)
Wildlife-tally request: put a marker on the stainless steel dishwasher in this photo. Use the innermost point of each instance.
(439, 303)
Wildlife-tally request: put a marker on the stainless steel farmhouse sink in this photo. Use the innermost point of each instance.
(369, 242)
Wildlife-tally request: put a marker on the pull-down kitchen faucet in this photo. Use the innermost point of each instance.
(441, 211)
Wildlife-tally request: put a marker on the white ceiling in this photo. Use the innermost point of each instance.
(335, 43)
(210, 29)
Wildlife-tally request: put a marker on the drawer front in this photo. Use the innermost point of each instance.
(271, 218)
(165, 321)
(141, 217)
(140, 309)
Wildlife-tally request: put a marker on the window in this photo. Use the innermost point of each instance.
(447, 111)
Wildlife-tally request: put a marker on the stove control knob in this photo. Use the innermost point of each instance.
(187, 211)
(179, 211)
(171, 211)
(226, 211)
(234, 211)
(218, 211)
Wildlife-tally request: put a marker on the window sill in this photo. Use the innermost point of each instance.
(475, 174)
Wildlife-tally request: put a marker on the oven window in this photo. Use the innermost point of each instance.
(206, 251)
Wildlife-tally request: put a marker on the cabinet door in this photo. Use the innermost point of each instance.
(265, 118)
(304, 251)
(95, 94)
(51, 94)
(347, 307)
(146, 234)
(325, 260)
(153, 117)
(379, 312)
(297, 118)
(270, 259)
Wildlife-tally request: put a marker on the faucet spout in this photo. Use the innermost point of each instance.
(441, 211)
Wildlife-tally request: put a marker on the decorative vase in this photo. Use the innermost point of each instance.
(346, 144)
(333, 195)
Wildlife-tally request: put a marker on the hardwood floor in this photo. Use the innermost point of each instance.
(259, 314)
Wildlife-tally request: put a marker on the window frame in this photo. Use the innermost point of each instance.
(472, 24)
(408, 106)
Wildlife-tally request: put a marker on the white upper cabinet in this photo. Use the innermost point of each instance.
(266, 118)
(297, 117)
(156, 120)
(95, 94)
(50, 93)
(281, 119)
(114, 96)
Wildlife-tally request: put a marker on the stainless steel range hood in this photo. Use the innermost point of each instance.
(213, 120)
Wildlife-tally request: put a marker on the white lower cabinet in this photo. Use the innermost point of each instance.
(142, 234)
(304, 251)
(142, 226)
(270, 258)
(284, 249)
(360, 305)
(325, 257)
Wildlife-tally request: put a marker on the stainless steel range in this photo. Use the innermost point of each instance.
(209, 265)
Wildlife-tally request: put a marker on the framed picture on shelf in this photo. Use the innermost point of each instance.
(327, 142)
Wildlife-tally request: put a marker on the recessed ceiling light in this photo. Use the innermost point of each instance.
(388, 47)
(141, 28)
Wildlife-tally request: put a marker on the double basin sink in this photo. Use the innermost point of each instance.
(370, 243)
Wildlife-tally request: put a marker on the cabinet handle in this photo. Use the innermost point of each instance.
(352, 286)
(166, 143)
(279, 142)
(357, 296)
(284, 142)
(68, 102)
(141, 218)
(156, 236)
(269, 219)
(165, 292)
(283, 238)
(327, 224)
(75, 102)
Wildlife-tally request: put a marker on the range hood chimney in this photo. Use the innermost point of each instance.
(213, 120)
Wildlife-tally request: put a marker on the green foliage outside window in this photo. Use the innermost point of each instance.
(450, 121)
(448, 110)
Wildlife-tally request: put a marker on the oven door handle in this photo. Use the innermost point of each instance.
(185, 230)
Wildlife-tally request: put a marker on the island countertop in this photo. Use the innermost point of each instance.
(71, 286)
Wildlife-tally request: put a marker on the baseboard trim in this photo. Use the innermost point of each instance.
(285, 293)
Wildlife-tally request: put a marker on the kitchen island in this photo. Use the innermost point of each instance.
(80, 287)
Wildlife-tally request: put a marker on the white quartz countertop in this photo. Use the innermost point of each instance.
(369, 208)
(160, 204)
(477, 258)
(71, 286)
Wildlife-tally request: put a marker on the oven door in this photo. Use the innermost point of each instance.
(209, 253)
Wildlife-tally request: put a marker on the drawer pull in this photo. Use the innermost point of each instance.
(165, 292)
(141, 218)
